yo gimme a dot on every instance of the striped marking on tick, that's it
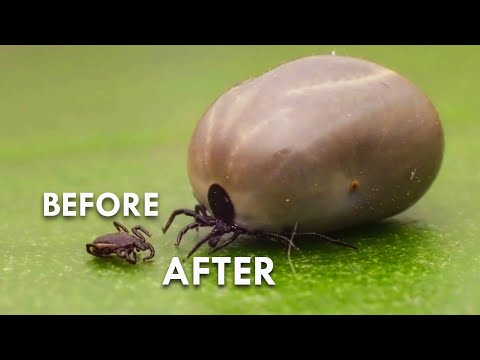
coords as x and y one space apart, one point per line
341 82
249 134
208 141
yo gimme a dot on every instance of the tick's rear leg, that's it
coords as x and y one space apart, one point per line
284 239
90 250
89 247
95 252
330 240
120 227
198 218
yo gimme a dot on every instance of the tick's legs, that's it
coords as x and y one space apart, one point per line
214 241
89 247
152 252
120 227
185 230
200 243
227 242
200 210
95 253
330 240
121 252
131 256
136 230
284 239
198 218
90 250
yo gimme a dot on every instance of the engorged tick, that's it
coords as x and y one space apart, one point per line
324 143
122 243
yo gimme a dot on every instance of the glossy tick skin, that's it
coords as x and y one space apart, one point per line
122 243
324 142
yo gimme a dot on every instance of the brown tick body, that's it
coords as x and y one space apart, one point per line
122 243
324 142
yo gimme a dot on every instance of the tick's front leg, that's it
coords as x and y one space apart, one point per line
200 243
198 218
152 252
185 230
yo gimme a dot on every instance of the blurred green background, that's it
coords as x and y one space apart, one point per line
119 119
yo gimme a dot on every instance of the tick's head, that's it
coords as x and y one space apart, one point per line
141 244
220 204
221 228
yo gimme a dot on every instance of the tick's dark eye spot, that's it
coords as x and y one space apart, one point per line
354 185
220 203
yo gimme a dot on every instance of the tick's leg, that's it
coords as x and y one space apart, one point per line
91 251
198 218
185 230
214 241
226 243
131 256
284 239
103 255
122 253
136 231
330 240
201 210
152 252
120 227
89 247
200 243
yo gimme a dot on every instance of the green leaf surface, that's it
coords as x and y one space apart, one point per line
119 119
